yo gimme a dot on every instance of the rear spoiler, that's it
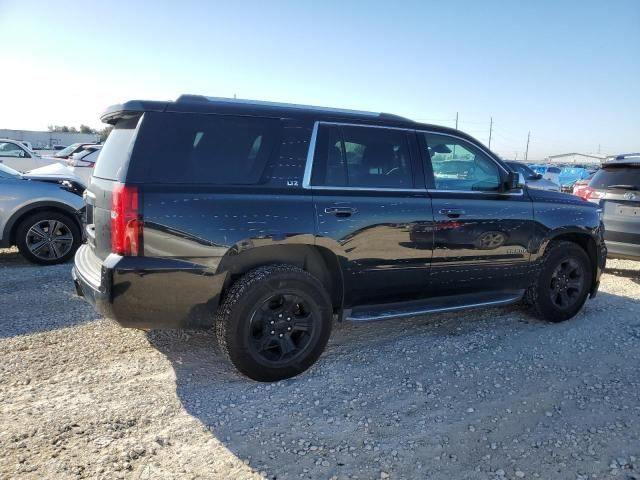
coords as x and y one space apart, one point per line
130 109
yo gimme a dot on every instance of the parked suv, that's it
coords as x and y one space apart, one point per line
268 220
616 189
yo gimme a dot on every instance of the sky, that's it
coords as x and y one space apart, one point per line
566 71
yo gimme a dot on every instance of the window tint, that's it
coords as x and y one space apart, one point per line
458 165
623 175
211 149
113 161
363 157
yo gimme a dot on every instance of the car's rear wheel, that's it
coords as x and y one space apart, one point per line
275 322
563 282
48 237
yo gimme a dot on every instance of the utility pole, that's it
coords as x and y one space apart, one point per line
526 154
456 120
490 131
598 149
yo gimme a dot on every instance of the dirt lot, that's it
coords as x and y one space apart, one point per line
485 394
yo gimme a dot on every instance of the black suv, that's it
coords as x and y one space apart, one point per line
267 220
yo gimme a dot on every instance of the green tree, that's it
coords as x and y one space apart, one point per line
104 133
87 129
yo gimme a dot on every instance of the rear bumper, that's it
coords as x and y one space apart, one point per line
622 250
148 293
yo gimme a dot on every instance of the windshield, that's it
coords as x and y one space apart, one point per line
622 175
6 171
67 151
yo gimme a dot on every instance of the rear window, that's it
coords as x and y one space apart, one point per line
627 175
208 149
115 154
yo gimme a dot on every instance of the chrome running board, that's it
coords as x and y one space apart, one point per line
451 303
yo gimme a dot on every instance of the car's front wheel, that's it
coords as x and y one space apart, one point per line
563 282
275 322
48 237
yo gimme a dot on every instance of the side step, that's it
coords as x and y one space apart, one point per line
451 303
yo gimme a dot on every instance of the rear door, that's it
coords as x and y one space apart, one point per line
370 211
481 234
111 167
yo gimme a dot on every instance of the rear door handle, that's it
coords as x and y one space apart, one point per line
341 212
451 212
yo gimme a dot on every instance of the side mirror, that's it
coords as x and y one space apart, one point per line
514 181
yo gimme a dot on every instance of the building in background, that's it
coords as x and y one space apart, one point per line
47 140
577 158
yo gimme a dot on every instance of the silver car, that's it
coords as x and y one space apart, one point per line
533 179
616 188
41 215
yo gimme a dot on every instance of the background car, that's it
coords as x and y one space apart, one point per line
616 187
548 172
19 157
70 150
569 175
41 215
82 163
533 179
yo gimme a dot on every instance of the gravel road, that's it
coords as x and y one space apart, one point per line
480 395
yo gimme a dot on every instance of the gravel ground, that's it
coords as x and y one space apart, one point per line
481 395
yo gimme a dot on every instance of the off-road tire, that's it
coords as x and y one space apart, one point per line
538 296
233 319
31 220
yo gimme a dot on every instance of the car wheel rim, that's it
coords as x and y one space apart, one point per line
567 282
281 328
49 239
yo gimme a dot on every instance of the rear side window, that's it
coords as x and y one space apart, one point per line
115 154
209 149
627 175
362 157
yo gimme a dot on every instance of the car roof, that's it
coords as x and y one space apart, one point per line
630 159
204 104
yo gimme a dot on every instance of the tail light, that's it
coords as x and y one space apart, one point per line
126 221
589 193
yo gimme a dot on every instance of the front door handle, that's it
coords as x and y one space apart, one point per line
341 212
451 212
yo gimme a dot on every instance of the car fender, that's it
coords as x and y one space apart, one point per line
48 203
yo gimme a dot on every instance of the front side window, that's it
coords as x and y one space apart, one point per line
362 157
11 150
458 165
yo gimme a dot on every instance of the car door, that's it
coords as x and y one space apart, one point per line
372 209
481 232
16 157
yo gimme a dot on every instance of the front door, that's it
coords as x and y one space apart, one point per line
481 233
370 212
15 157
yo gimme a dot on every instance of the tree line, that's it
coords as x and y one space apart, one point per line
104 133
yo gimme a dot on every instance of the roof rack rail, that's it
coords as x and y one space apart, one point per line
187 98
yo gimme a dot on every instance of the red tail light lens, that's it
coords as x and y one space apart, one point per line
588 193
126 221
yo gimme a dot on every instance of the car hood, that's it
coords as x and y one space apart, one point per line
53 172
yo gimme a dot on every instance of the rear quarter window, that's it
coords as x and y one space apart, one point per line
207 149
114 157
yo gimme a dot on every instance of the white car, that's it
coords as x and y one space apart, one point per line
16 155
82 163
